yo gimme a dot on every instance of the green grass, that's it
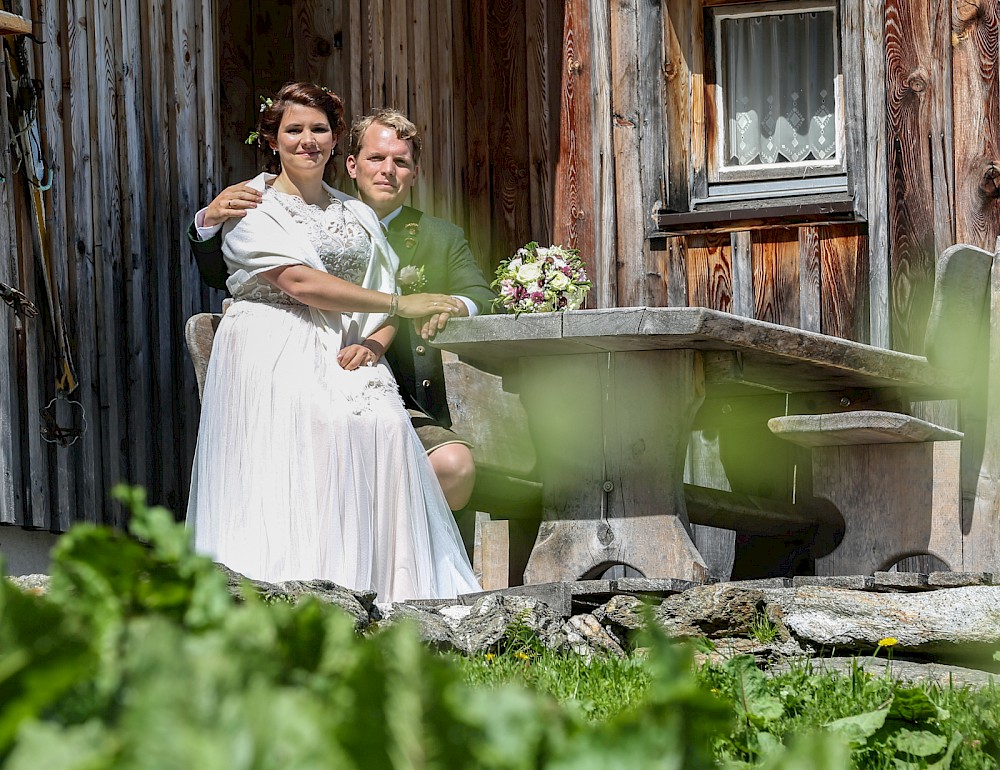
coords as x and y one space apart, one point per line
882 720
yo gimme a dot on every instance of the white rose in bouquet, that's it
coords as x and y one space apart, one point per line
528 272
559 281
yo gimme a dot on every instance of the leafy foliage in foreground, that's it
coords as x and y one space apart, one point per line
139 658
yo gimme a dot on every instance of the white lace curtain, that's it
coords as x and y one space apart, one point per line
779 74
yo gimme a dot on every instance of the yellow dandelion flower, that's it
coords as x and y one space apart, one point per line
520 655
489 657
889 641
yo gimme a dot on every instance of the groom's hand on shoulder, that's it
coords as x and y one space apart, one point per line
231 203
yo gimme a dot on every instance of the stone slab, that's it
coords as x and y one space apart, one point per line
900 581
959 579
853 582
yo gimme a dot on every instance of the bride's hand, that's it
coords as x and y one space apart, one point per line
354 356
422 305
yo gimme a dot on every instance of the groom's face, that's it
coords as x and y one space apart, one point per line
383 169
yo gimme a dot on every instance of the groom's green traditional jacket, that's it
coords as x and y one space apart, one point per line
449 268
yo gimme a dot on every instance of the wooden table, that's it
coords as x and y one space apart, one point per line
610 397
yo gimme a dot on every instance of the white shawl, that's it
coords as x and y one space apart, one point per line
268 237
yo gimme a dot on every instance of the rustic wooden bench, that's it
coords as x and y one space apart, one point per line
896 479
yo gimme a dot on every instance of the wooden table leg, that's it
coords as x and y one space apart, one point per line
611 430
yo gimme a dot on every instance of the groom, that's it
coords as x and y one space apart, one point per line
384 161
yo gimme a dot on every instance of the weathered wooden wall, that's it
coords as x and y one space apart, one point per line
145 107
127 114
480 79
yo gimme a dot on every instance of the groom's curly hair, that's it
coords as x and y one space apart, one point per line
390 118
308 95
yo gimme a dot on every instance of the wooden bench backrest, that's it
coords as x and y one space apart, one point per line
199 333
958 324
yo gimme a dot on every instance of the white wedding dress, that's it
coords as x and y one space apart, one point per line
304 470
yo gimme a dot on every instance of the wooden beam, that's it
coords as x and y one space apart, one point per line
11 24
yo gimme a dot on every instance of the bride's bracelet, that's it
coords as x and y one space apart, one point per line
393 304
375 347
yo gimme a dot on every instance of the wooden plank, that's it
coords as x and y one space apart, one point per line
701 103
740 243
775 256
625 111
477 180
853 88
12 24
419 78
460 88
67 460
677 285
108 252
136 265
185 156
677 39
93 501
539 130
709 270
843 271
858 428
165 316
11 433
351 28
446 195
810 315
36 387
976 89
238 101
574 224
909 53
507 92
599 223
396 25
877 175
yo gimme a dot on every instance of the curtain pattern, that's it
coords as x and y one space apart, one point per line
779 75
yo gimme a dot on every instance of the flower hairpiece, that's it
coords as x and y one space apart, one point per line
266 102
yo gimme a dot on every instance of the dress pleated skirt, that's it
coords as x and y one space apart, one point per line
305 471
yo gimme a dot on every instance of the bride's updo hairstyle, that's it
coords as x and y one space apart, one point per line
308 95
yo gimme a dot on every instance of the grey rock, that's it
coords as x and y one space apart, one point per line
586 636
31 584
902 670
932 620
493 616
435 628
358 604
714 611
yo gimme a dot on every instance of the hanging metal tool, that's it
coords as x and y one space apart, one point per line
23 95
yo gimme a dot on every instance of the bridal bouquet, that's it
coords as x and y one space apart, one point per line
539 279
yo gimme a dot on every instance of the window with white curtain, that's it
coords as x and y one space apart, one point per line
778 111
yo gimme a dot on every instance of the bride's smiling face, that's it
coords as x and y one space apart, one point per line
305 139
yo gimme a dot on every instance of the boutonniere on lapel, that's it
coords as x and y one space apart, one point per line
412 228
411 279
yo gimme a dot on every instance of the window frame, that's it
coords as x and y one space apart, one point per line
821 177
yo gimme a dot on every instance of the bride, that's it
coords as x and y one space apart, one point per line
307 465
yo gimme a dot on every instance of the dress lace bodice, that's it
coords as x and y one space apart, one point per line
339 238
